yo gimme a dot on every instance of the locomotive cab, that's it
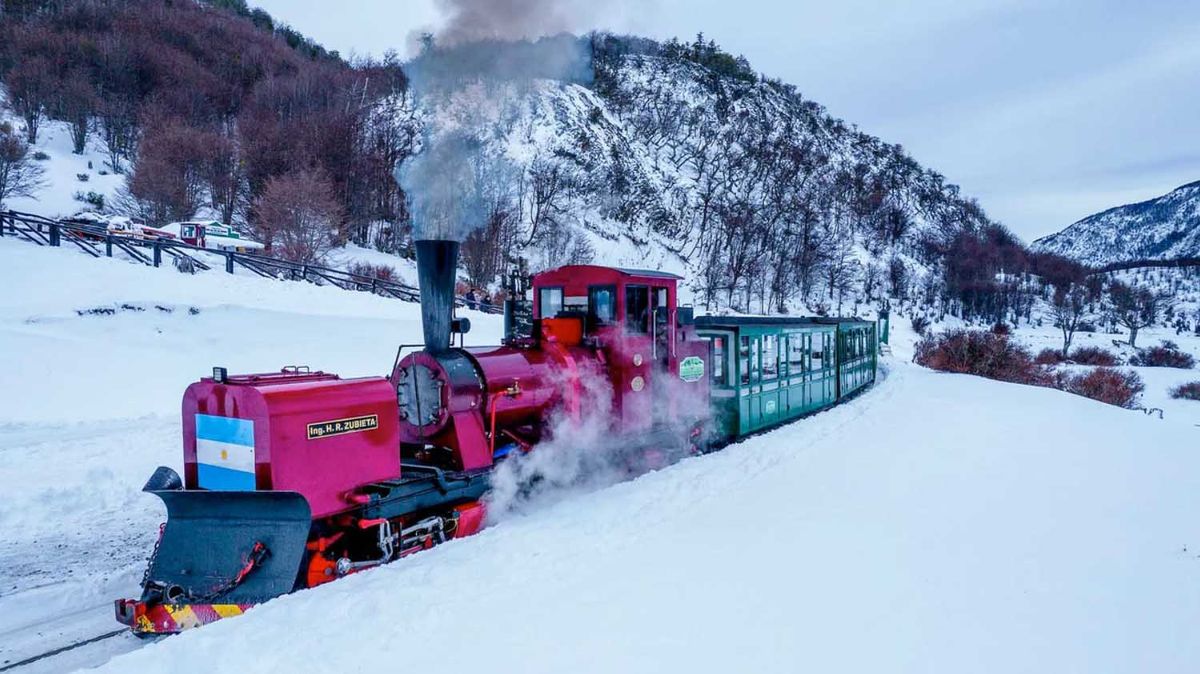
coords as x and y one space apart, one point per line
630 317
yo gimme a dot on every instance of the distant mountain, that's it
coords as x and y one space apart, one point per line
1159 229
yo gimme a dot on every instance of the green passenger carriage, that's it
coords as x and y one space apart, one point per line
769 370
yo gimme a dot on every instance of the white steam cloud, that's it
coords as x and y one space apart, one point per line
507 20
585 453
482 61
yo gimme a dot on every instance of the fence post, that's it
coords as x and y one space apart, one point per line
303 272
228 262
374 286
157 253
3 218
55 234
108 244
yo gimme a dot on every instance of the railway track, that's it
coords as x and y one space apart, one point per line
54 641
61 649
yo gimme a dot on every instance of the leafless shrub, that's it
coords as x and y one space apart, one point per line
1105 384
20 175
1166 354
298 217
980 353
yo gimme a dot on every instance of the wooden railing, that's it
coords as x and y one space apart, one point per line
97 241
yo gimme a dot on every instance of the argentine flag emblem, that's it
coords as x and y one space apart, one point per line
224 453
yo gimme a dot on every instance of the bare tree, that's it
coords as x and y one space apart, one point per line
29 88
1069 308
298 216
225 174
547 187
1135 307
118 124
169 175
20 176
77 103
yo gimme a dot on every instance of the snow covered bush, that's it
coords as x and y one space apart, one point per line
1188 391
1115 387
1166 354
1049 357
920 324
1094 355
982 353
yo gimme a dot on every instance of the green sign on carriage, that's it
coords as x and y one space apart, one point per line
691 369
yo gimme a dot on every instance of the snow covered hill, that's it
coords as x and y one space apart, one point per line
756 193
670 156
939 523
1159 229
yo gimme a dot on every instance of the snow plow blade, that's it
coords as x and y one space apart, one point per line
219 553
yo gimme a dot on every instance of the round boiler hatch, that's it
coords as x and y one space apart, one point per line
419 394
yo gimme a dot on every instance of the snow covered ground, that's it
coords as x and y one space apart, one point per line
936 523
63 170
1159 380
94 358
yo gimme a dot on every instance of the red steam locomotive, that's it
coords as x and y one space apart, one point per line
294 479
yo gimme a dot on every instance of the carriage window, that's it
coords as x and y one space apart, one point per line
796 352
550 302
770 356
744 360
717 358
602 305
637 309
188 232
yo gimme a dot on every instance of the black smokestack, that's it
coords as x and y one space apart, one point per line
437 270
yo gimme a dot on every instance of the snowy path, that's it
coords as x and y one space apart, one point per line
77 532
89 406
939 523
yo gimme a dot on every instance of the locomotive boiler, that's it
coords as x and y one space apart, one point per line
296 478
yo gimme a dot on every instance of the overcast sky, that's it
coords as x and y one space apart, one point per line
1045 110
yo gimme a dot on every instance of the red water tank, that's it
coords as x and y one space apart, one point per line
312 433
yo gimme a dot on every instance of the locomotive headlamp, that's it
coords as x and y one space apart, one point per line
220 374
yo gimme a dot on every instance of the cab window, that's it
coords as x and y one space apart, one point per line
550 302
637 309
602 305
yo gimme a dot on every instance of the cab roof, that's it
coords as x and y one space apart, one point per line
592 270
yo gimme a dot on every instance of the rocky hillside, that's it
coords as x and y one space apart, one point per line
680 156
1159 229
601 148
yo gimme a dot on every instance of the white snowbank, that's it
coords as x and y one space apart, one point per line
939 523
89 406
168 329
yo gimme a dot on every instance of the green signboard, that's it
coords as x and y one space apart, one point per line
691 369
